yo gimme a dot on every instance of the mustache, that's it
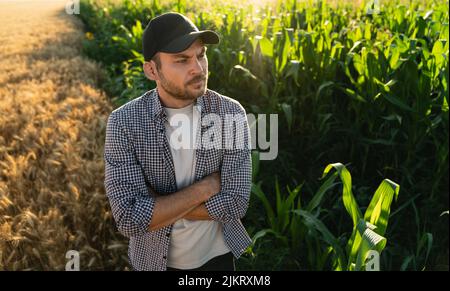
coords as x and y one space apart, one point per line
196 79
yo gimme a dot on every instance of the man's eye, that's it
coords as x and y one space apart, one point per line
181 61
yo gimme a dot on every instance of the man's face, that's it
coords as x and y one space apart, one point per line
184 75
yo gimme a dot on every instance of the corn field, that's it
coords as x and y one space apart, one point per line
361 90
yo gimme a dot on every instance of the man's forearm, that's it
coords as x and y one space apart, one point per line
170 208
198 213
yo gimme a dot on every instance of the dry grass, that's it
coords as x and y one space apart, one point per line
52 126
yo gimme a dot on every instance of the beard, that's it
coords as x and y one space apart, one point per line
191 90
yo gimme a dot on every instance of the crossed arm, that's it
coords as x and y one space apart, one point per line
187 203
221 197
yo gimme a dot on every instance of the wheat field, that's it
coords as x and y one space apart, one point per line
52 124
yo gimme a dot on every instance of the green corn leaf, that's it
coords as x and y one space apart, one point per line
255 164
438 52
314 223
378 211
292 195
266 46
394 60
294 68
256 189
406 262
426 241
356 45
246 72
349 201
317 199
288 205
136 30
286 49
367 30
370 240
281 209
396 101
323 86
262 233
351 93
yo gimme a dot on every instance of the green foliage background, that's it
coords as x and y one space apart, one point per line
365 84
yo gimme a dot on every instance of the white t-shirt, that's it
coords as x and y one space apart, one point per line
192 242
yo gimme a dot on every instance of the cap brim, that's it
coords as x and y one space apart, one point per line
184 42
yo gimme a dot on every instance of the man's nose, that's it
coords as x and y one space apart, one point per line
196 67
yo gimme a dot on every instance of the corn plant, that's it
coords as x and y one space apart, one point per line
356 81
291 222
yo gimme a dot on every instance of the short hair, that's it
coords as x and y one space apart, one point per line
156 58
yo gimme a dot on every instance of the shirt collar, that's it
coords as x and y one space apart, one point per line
157 110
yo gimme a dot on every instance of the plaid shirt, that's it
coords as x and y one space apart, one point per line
137 155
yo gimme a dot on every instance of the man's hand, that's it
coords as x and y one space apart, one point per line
212 184
198 213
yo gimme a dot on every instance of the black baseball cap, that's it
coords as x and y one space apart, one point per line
173 33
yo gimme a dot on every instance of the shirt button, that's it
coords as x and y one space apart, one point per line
164 257
168 234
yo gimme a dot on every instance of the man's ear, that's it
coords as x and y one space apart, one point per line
150 70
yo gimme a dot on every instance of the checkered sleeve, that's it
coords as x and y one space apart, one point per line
232 201
131 204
